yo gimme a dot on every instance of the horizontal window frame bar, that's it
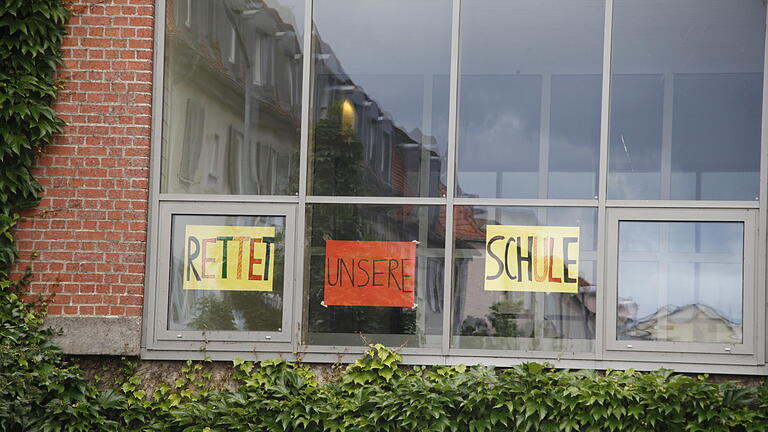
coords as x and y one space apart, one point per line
217 198
645 361
375 200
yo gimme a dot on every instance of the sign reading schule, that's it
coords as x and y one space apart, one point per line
229 258
532 258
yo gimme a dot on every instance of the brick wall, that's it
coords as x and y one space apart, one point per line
90 228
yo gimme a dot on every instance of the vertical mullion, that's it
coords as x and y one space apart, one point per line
602 307
299 266
450 192
760 286
544 134
151 301
666 137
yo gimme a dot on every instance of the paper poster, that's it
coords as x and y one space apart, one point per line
229 258
532 258
369 273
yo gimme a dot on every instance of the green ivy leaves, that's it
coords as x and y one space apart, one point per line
30 38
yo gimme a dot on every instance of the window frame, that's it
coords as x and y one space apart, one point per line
220 340
746 216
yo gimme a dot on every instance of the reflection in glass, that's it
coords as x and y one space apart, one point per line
380 100
232 97
686 99
230 310
521 320
529 98
420 326
680 281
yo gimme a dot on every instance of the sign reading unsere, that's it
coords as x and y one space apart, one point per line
369 273
229 258
532 258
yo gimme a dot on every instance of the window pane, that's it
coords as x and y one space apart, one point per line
375 270
686 99
680 281
232 97
380 98
529 98
549 321
227 273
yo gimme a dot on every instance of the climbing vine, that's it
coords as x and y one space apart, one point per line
30 39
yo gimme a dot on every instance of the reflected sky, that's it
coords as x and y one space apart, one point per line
529 98
681 263
686 99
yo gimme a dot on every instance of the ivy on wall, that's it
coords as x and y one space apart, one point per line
30 39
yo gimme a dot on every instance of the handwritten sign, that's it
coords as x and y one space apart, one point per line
369 273
532 258
229 258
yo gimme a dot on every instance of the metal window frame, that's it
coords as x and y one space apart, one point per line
748 217
170 209
601 357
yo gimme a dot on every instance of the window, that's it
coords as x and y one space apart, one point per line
224 275
681 280
529 99
388 70
524 320
478 181
686 100
194 70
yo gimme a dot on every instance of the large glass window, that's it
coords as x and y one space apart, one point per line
529 98
380 99
375 274
232 97
479 229
686 99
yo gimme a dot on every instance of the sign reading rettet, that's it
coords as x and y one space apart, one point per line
229 258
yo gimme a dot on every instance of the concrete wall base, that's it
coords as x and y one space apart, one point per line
95 335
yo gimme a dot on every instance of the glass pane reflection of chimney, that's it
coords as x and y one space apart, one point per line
380 98
232 97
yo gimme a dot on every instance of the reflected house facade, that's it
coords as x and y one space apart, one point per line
685 323
360 148
232 97
392 161
233 107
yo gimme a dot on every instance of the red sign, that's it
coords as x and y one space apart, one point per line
369 273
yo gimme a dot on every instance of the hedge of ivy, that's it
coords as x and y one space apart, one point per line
41 391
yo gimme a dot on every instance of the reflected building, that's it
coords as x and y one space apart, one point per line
692 322
391 160
232 98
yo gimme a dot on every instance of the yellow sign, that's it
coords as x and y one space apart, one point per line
532 258
229 258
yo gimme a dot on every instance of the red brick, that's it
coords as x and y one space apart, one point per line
91 225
